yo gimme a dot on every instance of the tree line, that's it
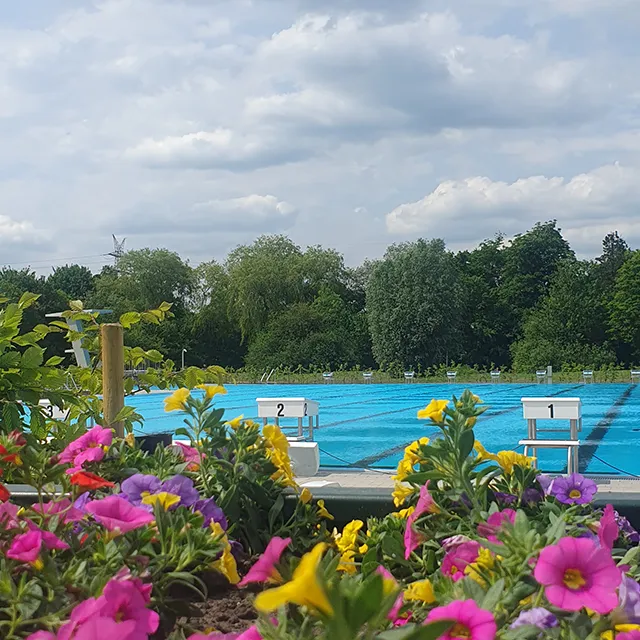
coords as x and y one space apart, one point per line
521 304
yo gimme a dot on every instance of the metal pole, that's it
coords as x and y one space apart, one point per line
112 375
183 352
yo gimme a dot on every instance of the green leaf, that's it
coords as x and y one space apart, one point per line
76 305
367 602
54 361
27 299
630 556
369 561
473 590
11 417
493 596
149 317
430 631
555 531
165 306
127 320
467 440
32 358
9 360
275 510
181 431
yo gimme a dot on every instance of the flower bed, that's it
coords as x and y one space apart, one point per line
196 537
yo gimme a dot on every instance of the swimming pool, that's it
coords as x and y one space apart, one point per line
368 425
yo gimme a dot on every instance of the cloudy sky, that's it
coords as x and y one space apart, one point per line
199 124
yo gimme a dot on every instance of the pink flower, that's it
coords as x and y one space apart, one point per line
470 621
9 515
426 503
577 574
42 635
394 614
61 508
494 524
251 633
264 569
117 514
458 558
122 603
448 544
191 455
51 541
26 547
89 447
608 530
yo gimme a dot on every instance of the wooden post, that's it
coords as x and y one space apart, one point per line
112 375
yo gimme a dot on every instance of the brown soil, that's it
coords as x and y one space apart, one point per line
227 612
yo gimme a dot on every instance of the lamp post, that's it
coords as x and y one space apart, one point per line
183 352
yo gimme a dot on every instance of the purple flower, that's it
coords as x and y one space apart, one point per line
504 499
629 594
237 549
573 489
545 482
211 513
81 501
138 486
532 496
183 487
625 526
538 617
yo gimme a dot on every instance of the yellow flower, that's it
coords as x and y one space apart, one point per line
226 565
422 591
401 493
510 459
405 469
348 539
322 510
363 549
275 438
411 452
483 454
471 422
434 410
130 440
176 401
389 585
166 500
211 390
305 496
284 472
403 514
37 564
484 563
476 399
235 423
304 589
620 628
347 562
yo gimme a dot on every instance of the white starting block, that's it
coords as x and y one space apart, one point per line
299 408
495 376
52 411
327 376
570 409
587 376
451 376
409 376
305 458
541 375
367 376
635 375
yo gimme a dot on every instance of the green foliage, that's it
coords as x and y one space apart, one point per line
625 304
413 303
74 281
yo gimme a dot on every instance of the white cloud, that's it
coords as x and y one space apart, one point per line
14 231
256 213
470 209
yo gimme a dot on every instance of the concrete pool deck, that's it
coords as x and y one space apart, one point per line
382 480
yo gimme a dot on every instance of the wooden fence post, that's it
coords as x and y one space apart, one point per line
112 375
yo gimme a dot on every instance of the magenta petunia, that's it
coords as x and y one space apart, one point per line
42 635
89 447
251 633
608 530
426 504
191 455
470 621
118 515
490 529
26 547
264 570
9 515
61 508
50 540
576 573
102 628
455 561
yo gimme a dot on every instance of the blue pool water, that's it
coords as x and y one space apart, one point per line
368 425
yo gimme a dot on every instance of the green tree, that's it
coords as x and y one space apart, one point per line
73 280
569 324
485 332
530 262
325 332
624 307
414 302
